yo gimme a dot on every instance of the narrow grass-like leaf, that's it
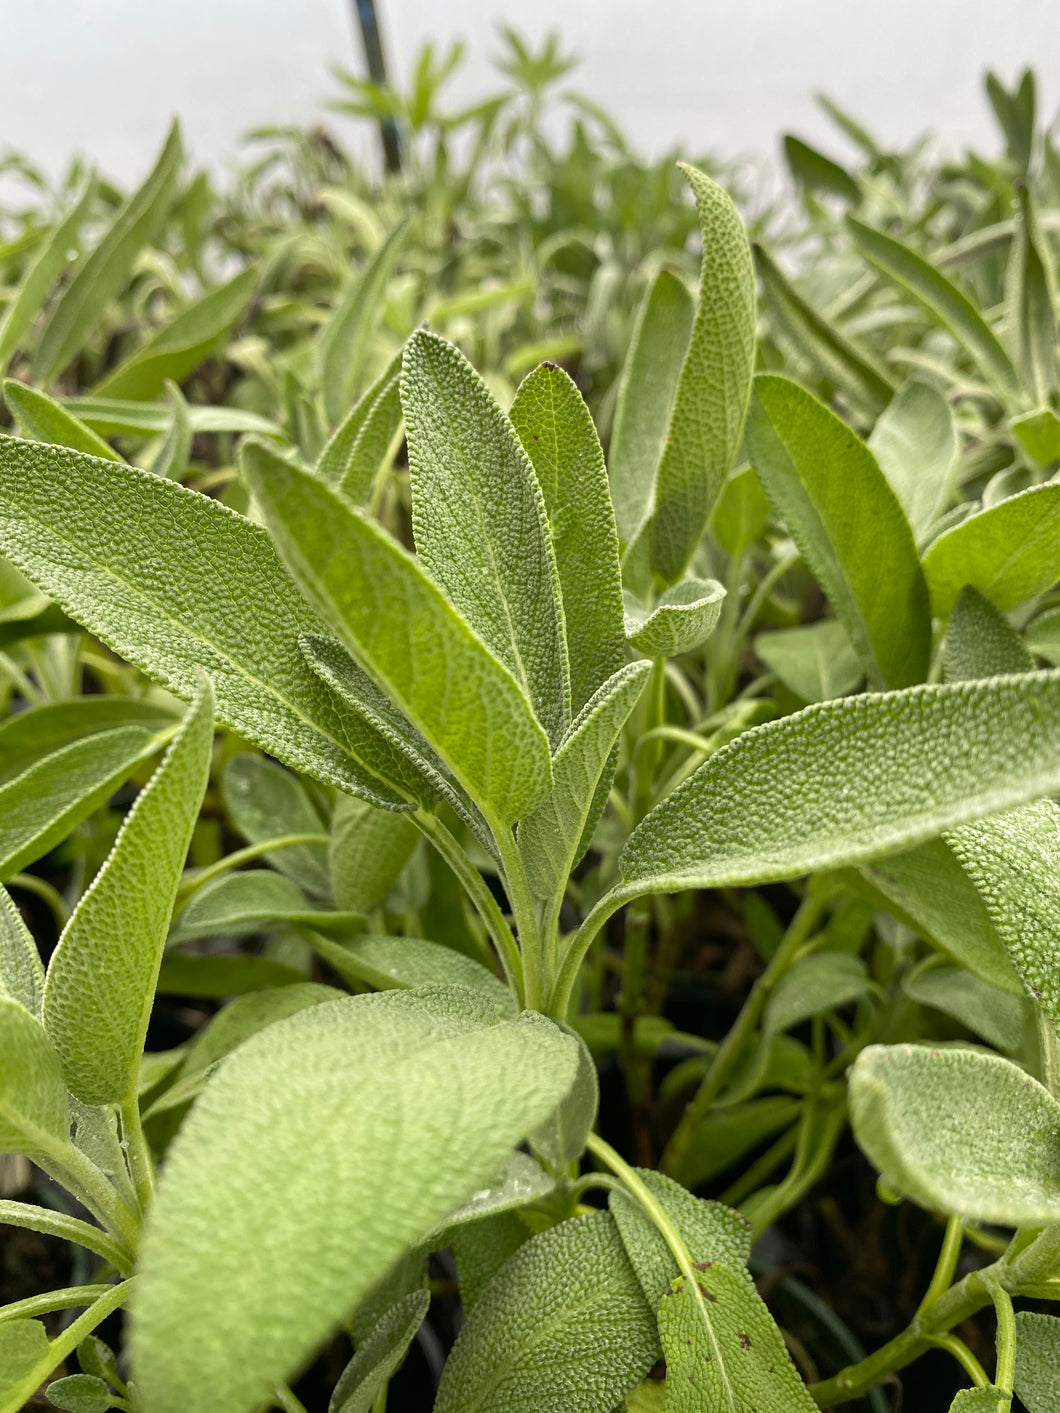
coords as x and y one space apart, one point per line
265 802
118 417
556 429
715 384
343 344
355 451
918 1115
1030 296
171 459
406 633
837 358
44 803
405 962
44 420
849 781
826 486
101 978
408 1101
981 642
100 276
650 376
683 619
379 1356
41 277
816 172
551 837
1014 861
1010 553
1037 1375
368 850
21 969
175 581
814 660
34 1112
916 445
480 523
178 349
943 301
563 1324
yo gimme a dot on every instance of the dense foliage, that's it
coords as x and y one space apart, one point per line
571 868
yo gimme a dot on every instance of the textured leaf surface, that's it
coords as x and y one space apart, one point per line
997 1016
1030 294
174 581
480 523
99 277
265 802
646 397
723 1349
21 969
715 383
42 419
814 660
380 1356
1010 553
44 803
919 1116
23 1345
684 618
408 1101
403 962
481 1249
563 1324
982 1400
368 850
101 978
113 417
916 445
339 463
557 432
836 503
34 1112
1014 861
981 642
249 901
845 782
550 837
520 1181
407 635
1037 1374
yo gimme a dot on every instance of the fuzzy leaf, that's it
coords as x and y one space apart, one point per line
101 978
814 660
997 1016
480 523
42 419
849 781
1030 294
563 1324
990 1399
379 1356
832 496
646 396
1038 432
405 962
117 417
981 642
407 635
100 277
683 619
368 850
23 1345
481 1249
21 969
821 982
711 401
29 736
80 1393
551 837
174 581
916 444
918 1115
34 1111
1010 553
522 1180
1037 1374
557 433
408 1102
237 904
353 456
264 802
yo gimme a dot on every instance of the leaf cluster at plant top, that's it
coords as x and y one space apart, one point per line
452 656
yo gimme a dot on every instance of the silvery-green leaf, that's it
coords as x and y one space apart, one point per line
1010 553
1037 1374
80 1393
822 981
1038 432
554 835
408 1102
919 1114
814 660
1043 636
42 419
723 1348
563 1324
480 522
520 1181
1030 296
407 635
356 450
23 1345
741 511
481 1249
379 1356
236 904
403 962
21 969
556 430
171 459
367 852
34 1112
827 488
990 1399
101 978
711 401
683 618
264 802
561 1138
1014 861
850 781
999 1017
916 444
30 735
981 642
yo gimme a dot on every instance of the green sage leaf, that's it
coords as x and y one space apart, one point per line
21 969
368 850
916 444
34 1110
815 660
42 419
1037 1373
379 1356
683 618
981 642
265 802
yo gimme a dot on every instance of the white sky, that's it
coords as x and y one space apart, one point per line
103 76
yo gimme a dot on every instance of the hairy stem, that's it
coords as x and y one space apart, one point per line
43 1219
69 1298
190 886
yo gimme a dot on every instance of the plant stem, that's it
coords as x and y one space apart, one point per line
636 1188
1048 1053
942 1279
577 946
65 1343
958 1350
729 1051
190 886
536 979
43 1219
137 1154
66 1299
1006 1337
288 1400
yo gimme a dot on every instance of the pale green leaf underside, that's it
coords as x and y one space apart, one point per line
916 444
367 852
522 1180
34 1111
919 1114
101 978
563 1324
174 581
814 660
265 802
997 1016
408 1102
683 619
1037 1375
407 635
480 523
404 962
821 982
845 782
